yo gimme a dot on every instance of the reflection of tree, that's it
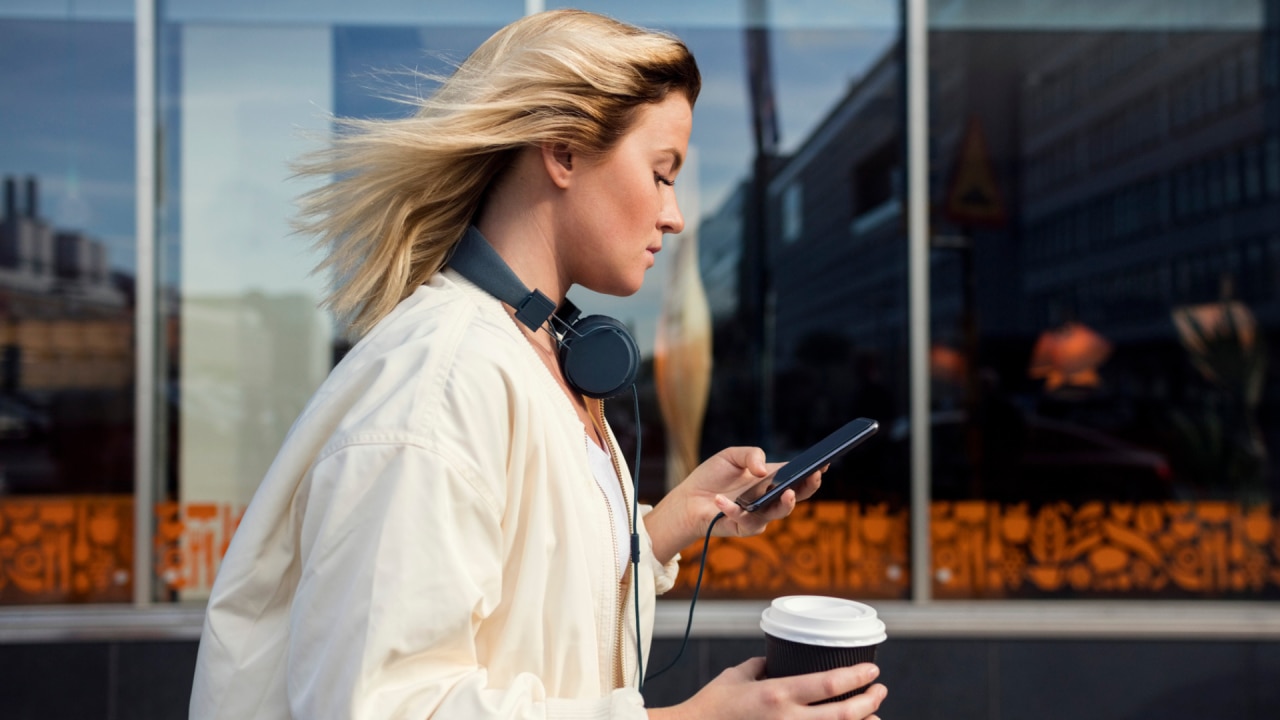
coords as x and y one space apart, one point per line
1223 441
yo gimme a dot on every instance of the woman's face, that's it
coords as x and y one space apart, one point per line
620 204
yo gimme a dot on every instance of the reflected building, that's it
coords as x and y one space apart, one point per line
1103 178
66 329
66 324
1160 191
720 252
834 306
48 272
1157 194
837 254
1136 173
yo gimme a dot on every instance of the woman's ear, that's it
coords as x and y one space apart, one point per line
558 161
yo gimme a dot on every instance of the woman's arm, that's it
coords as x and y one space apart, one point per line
401 562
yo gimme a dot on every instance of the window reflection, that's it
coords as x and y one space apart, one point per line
805 290
246 342
1101 309
66 311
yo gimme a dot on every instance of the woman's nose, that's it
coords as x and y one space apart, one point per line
671 221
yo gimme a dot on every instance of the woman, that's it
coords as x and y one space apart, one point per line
433 539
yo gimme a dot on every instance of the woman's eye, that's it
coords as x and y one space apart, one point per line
664 180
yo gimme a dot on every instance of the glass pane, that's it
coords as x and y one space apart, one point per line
1103 264
333 13
760 321
728 319
66 309
246 344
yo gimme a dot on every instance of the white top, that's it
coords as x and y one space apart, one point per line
607 478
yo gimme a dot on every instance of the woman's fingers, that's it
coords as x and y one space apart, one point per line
743 691
862 705
737 522
816 687
752 669
807 487
779 694
775 510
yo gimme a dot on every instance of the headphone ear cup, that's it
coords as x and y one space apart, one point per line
599 357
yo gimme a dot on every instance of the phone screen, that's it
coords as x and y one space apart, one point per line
829 449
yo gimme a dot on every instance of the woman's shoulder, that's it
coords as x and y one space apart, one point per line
444 353
451 330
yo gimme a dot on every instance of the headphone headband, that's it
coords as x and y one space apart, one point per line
475 259
598 357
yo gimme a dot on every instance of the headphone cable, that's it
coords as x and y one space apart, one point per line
635 540
694 601
635 562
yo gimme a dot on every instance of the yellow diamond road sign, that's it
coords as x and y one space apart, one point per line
973 196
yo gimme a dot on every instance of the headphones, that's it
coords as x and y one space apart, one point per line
598 357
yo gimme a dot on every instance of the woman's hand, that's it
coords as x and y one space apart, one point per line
741 692
684 514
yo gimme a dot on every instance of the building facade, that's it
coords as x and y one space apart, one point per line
1038 242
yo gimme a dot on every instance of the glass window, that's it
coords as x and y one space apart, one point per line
792 213
67 269
796 97
245 90
753 329
1112 432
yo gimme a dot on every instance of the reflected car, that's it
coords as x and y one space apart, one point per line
1031 458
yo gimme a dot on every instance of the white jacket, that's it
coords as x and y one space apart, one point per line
429 542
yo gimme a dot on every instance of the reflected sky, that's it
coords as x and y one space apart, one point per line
782 14
813 68
67 93
67 9
736 14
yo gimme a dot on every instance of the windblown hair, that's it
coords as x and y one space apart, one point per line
400 193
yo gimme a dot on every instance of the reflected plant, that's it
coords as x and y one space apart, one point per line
1223 344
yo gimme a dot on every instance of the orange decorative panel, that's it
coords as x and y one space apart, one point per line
80 549
70 549
190 540
824 547
1168 549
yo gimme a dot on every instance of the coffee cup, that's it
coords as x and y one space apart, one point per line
812 633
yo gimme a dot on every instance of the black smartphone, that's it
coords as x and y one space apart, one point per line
828 450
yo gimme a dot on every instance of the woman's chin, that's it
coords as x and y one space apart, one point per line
621 287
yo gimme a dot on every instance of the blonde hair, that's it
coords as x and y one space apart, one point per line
400 193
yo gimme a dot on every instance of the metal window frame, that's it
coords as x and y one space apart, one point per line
916 39
145 318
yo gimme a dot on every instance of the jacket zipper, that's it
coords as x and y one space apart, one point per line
619 672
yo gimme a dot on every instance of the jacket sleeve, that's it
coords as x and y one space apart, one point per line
664 576
401 561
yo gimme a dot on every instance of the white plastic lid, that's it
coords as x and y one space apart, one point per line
820 620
